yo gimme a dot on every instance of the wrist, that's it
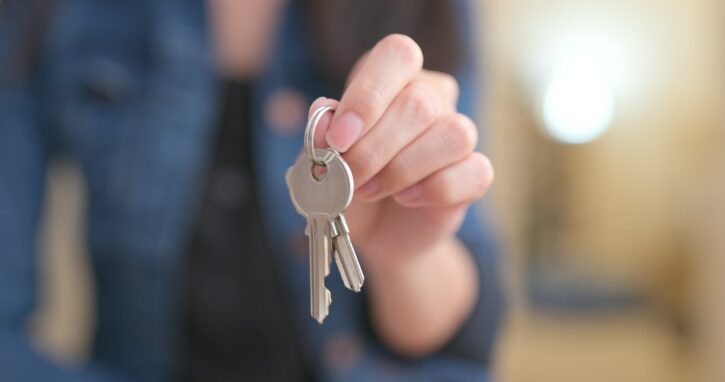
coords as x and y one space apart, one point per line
418 302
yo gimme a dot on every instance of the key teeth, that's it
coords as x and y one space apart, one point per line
358 287
341 270
346 259
320 318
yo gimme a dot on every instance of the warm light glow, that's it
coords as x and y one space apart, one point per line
578 102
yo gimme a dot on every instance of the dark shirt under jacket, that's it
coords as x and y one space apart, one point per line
236 326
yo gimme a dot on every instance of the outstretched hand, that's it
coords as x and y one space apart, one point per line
411 154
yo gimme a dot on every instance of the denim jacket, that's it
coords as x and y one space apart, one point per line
127 89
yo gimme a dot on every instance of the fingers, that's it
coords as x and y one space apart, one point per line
445 84
389 67
450 140
462 182
412 112
438 168
397 127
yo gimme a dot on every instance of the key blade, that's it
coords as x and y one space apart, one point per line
340 267
348 265
341 270
320 297
345 257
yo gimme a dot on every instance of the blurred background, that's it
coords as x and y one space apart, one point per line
604 122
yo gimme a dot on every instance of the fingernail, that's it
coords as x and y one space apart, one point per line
344 131
369 188
410 194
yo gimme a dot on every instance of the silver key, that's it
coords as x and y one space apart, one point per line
344 252
345 257
321 201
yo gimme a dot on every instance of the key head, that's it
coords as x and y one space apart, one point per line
328 195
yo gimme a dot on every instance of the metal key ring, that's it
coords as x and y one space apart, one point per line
310 136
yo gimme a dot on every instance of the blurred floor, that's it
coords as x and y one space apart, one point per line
623 348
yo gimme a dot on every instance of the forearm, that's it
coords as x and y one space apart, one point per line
418 302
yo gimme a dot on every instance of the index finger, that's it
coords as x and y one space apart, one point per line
391 64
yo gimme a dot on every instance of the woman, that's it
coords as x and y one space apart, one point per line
183 117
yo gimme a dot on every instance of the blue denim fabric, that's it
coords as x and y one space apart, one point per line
127 89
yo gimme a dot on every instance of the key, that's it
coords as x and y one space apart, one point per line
321 200
319 239
345 257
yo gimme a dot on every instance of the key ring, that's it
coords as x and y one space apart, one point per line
310 137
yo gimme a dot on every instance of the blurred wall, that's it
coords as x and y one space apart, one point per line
641 206
708 292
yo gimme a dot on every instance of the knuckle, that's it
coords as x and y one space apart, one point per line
363 161
404 47
461 134
483 173
418 103
449 83
373 100
447 192
398 171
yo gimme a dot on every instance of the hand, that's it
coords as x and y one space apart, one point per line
412 156
413 161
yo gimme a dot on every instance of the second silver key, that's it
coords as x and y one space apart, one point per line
345 257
